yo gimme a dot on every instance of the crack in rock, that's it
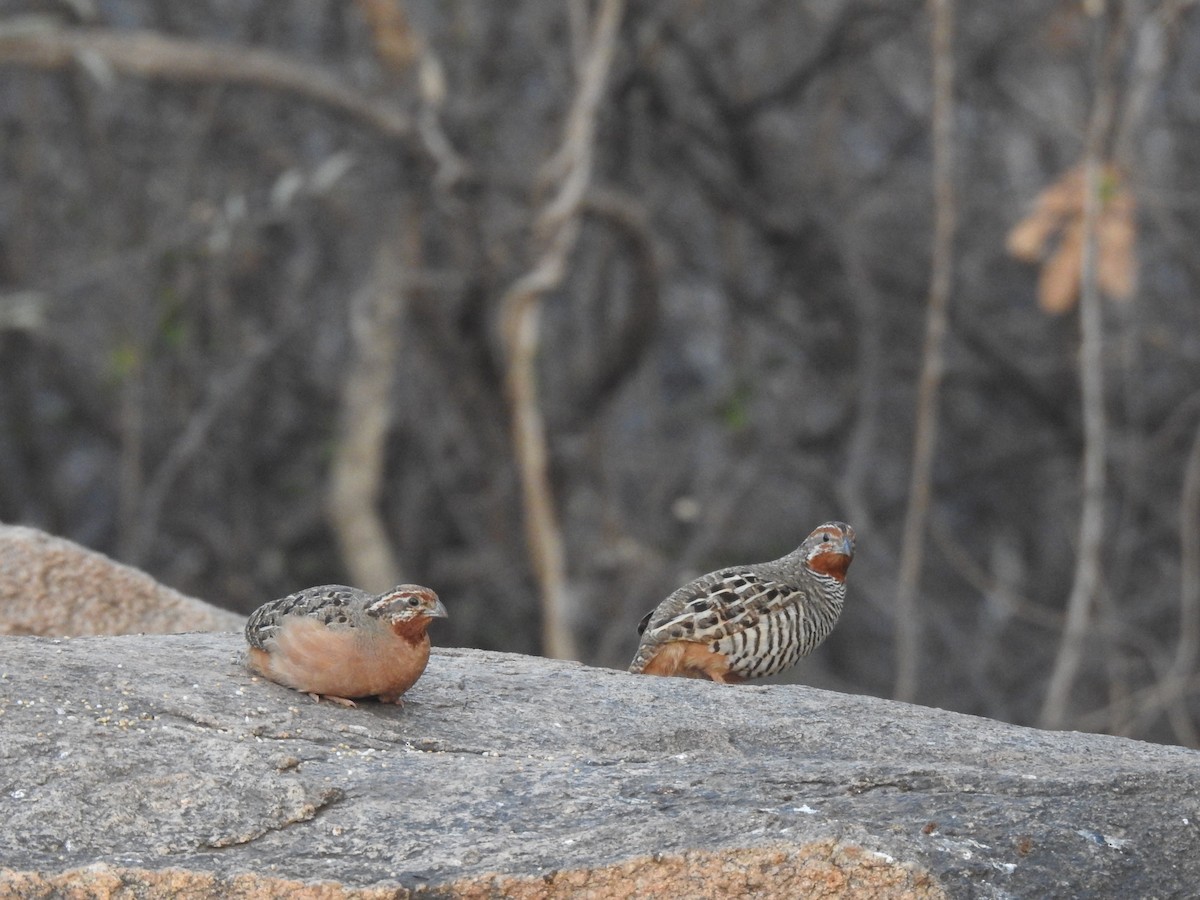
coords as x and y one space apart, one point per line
304 813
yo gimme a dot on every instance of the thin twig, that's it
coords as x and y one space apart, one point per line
190 443
556 231
147 54
1187 652
1010 601
1173 687
365 414
920 488
1091 377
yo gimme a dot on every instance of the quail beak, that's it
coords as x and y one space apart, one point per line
438 611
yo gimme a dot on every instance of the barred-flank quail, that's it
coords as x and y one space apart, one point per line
750 621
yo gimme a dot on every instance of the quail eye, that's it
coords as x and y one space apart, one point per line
413 601
825 538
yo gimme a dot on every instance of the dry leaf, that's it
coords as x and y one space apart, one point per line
1053 206
395 43
1027 240
1058 285
1059 207
1065 196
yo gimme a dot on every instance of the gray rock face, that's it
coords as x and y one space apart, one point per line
160 753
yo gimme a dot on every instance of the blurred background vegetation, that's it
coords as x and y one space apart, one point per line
554 305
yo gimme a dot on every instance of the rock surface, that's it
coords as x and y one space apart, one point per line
54 587
156 765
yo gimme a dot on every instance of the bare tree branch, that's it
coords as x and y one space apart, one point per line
356 475
400 47
1010 602
1187 653
131 420
1088 560
147 54
556 232
189 444
1181 676
618 356
1151 37
1149 702
908 613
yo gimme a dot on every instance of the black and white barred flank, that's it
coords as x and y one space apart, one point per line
764 617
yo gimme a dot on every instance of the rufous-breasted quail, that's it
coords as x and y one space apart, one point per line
342 643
